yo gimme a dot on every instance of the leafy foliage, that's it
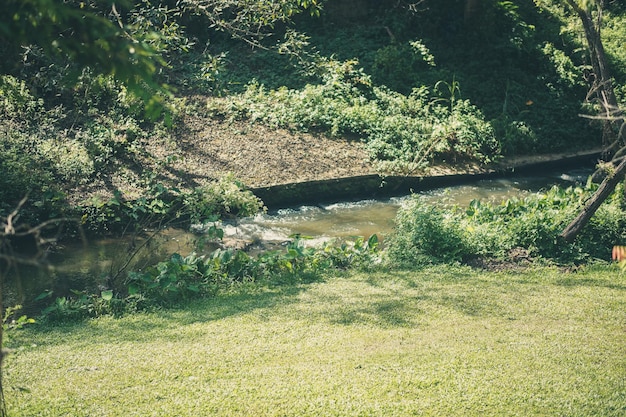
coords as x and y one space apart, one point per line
162 205
82 34
179 279
427 234
522 66
11 320
403 132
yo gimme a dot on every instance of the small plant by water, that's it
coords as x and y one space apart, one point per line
163 205
180 279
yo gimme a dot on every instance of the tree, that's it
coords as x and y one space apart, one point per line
248 20
602 90
601 82
101 35
606 188
88 34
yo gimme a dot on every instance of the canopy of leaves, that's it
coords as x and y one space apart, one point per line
87 34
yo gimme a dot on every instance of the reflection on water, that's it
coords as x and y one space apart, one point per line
88 265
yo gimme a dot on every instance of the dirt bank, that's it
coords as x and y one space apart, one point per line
203 149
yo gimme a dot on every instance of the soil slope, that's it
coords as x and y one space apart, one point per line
203 149
261 156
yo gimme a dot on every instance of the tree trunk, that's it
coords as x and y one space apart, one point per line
3 406
592 205
602 85
602 88
471 9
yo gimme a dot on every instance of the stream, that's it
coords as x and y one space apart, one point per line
85 265
366 217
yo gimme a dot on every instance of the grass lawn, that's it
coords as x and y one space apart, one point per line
441 342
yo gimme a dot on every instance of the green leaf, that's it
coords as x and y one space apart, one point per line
43 295
107 295
133 289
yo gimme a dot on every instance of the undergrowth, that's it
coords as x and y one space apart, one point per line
402 133
429 234
179 279
162 205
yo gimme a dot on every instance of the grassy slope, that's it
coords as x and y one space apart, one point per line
445 341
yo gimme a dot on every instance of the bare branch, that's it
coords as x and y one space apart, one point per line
8 226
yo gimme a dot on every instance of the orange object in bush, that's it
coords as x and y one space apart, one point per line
619 253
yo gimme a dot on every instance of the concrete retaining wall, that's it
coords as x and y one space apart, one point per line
375 186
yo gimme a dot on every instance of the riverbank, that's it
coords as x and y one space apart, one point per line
279 164
376 186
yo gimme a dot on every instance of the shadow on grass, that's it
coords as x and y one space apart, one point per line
409 298
383 312
237 304
387 299
159 323
400 299
574 281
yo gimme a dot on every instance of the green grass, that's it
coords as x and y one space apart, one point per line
440 342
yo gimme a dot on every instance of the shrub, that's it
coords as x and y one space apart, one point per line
160 204
48 148
426 234
16 100
403 132
182 278
225 197
178 279
69 159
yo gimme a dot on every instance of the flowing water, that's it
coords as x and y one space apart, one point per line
366 217
85 264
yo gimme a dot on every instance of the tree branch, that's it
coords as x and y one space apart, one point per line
592 205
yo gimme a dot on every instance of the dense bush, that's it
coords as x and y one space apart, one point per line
73 139
28 164
520 64
401 132
613 36
431 234
425 234
164 206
